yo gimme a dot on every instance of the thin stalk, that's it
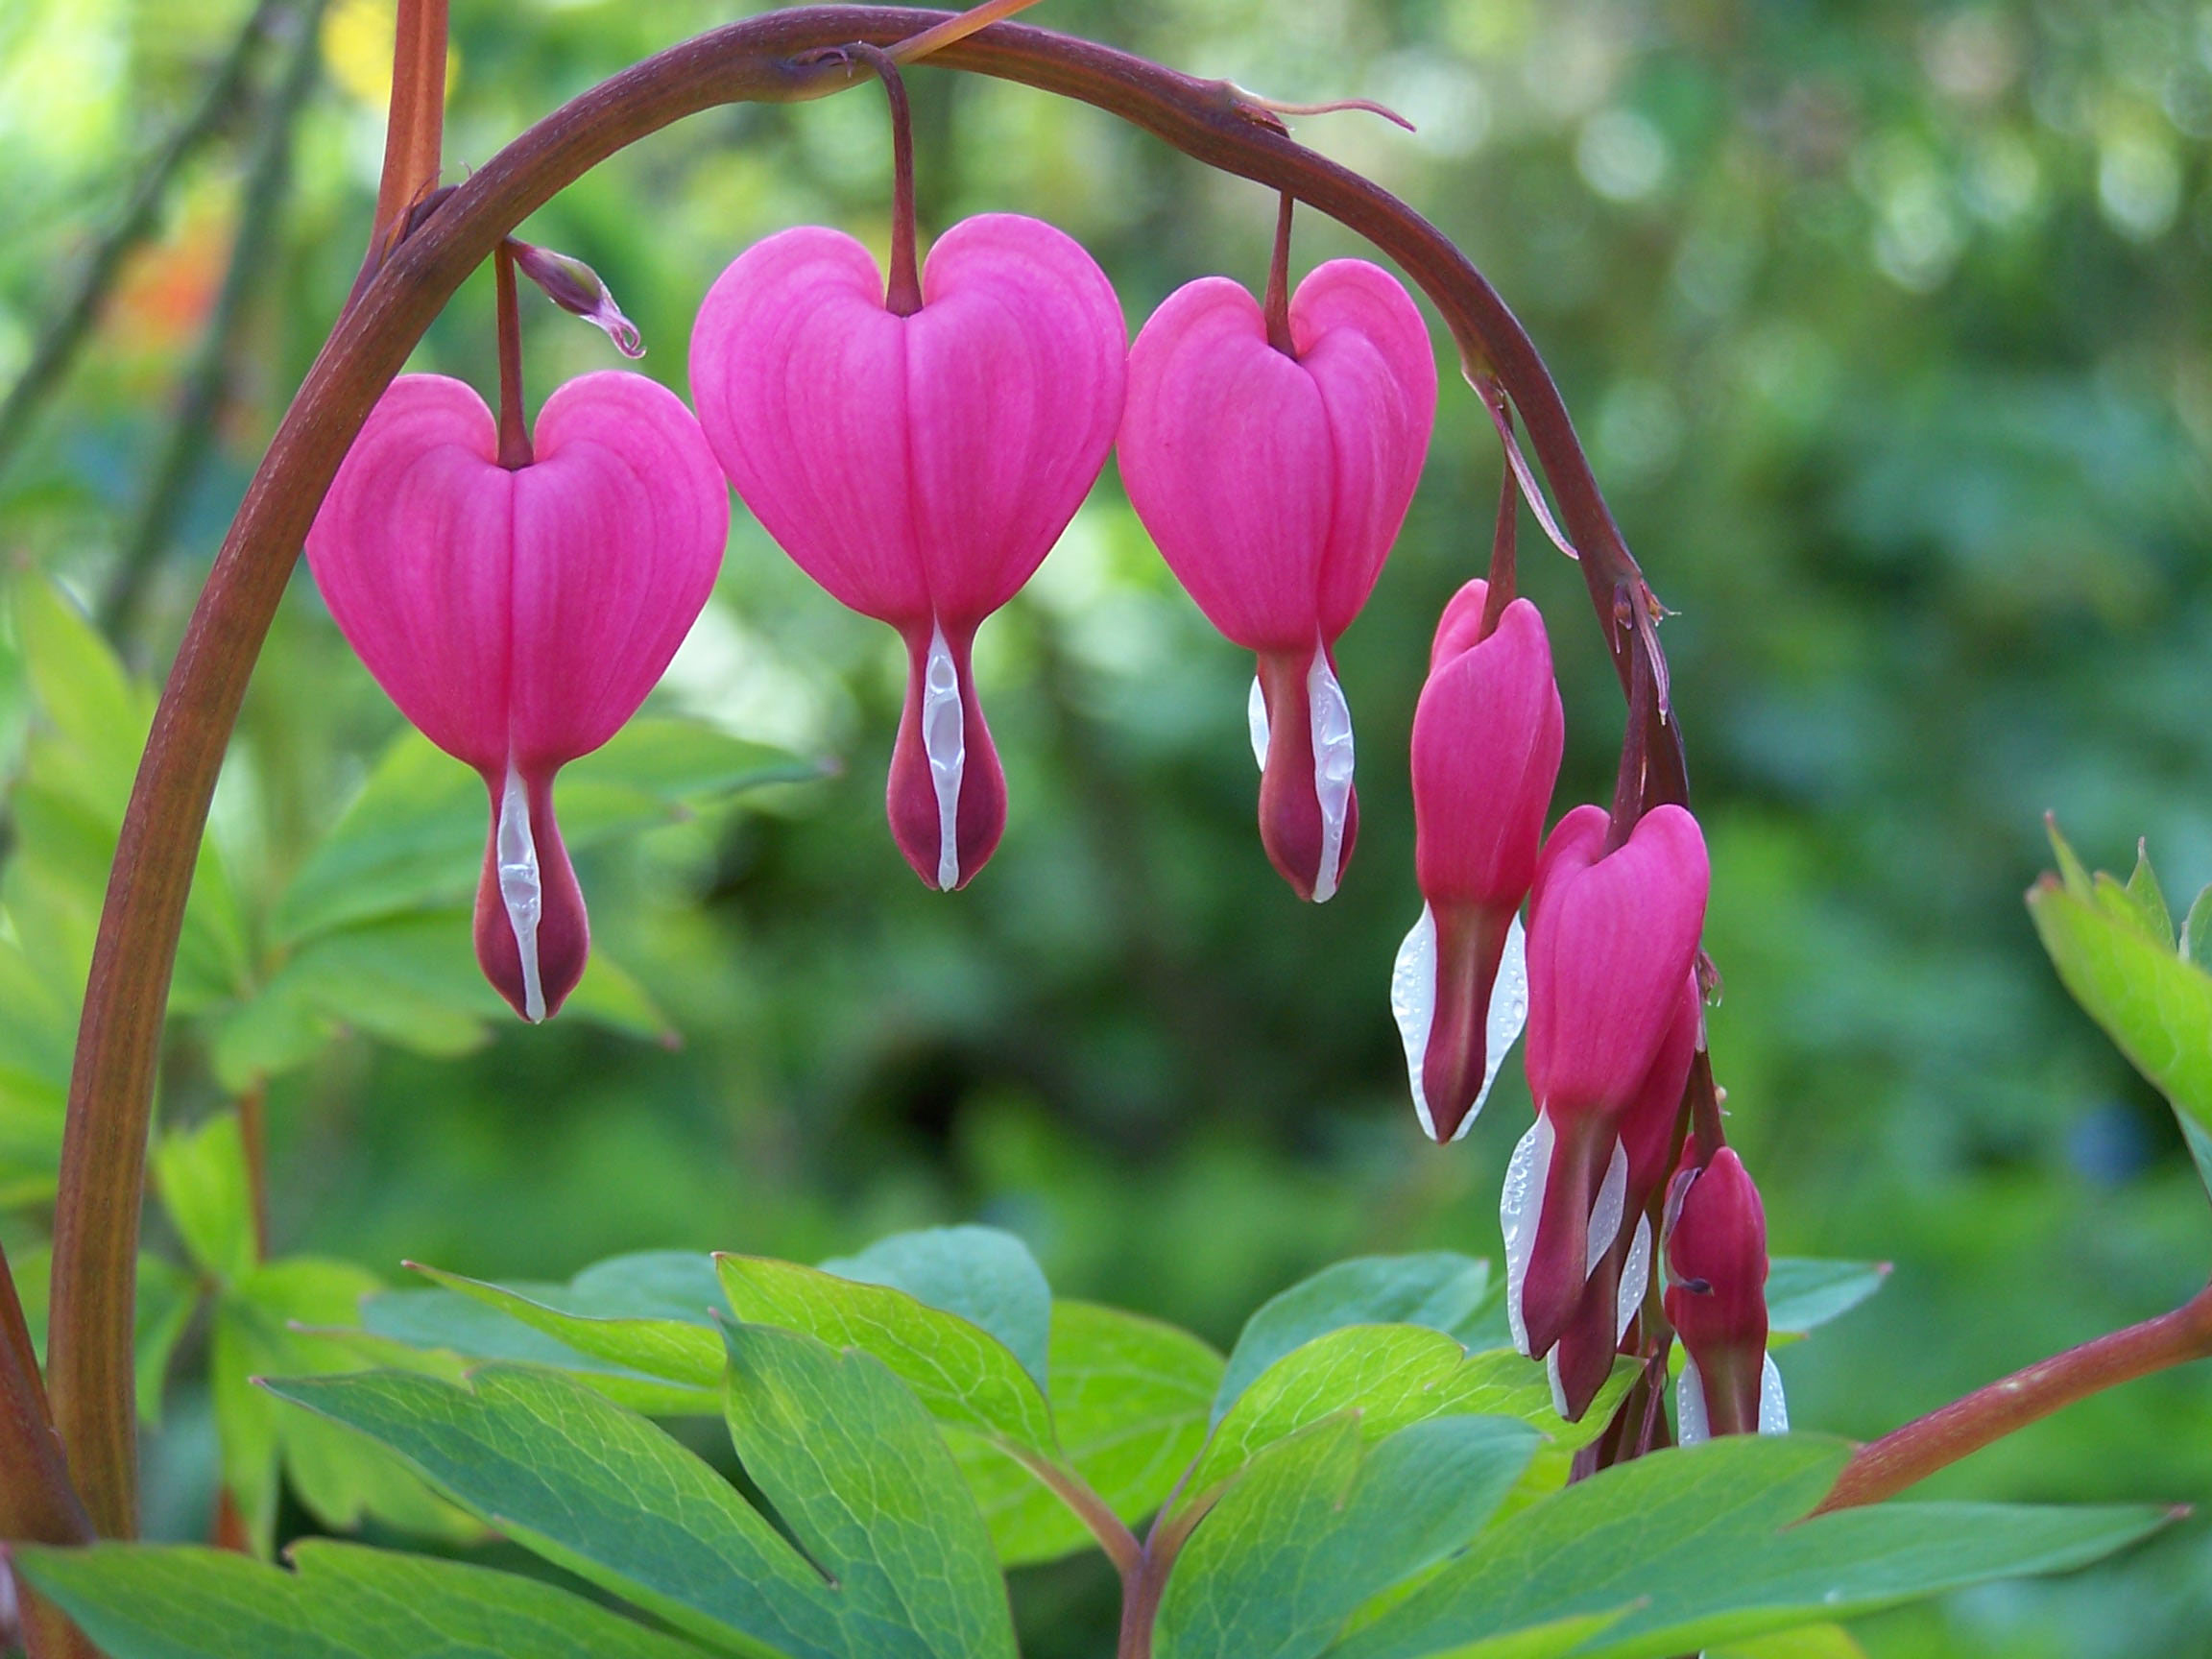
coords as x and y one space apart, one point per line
192 430
103 1148
903 293
1116 1539
57 347
414 122
1885 1467
1277 305
1635 750
514 430
1497 589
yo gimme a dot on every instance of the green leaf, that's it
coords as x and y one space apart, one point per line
599 1491
1393 1376
2149 897
964 1376
856 1469
1321 1522
201 1174
687 1352
2155 1007
1439 1289
414 837
1129 1400
2197 931
983 1275
1812 1641
166 1601
1803 1294
1698 1547
167 1297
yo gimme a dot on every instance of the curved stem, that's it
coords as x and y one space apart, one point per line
103 1148
1885 1467
1277 305
903 291
1116 1540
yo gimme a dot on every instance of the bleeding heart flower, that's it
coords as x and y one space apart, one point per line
918 467
1612 939
1487 740
520 616
1717 1298
1274 483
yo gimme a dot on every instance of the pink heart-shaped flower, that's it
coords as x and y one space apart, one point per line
919 467
1274 484
520 617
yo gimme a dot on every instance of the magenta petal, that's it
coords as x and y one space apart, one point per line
411 553
619 527
945 769
531 934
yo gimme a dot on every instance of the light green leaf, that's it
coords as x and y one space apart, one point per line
1698 1547
983 1275
685 1352
2149 899
165 1601
2197 931
1393 1376
1129 1399
414 837
201 1174
1439 1289
1812 1641
855 1467
599 1491
1321 1522
1804 1294
962 1373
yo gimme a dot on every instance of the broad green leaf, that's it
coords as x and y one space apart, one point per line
276 1320
855 1467
1545 1642
675 1350
1698 1547
201 1174
1439 1288
1804 1294
599 1491
965 1376
37 1040
168 1601
2197 931
1129 1400
414 837
1812 1641
1320 1523
984 1275
2150 897
168 1296
1392 1374
2154 1006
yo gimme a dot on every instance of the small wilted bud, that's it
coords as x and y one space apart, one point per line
1717 1299
576 288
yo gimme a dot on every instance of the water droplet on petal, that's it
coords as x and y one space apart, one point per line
520 889
1507 1015
1520 1204
1256 718
1689 1428
1331 768
1413 1006
1773 1408
944 740
1607 1214
1635 1278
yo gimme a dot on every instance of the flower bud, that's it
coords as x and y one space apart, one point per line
1717 1299
576 288
1487 740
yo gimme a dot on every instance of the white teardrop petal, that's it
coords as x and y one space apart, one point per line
1552 1376
944 740
1332 769
1519 1204
1413 1006
1635 1279
1690 1428
1773 1408
1508 1013
521 891
1607 1214
1256 718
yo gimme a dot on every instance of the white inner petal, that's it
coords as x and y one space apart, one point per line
520 889
1607 1214
944 740
1690 1428
1331 768
1552 1376
1413 1006
1508 1012
1635 1278
1256 718
1520 1206
1773 1409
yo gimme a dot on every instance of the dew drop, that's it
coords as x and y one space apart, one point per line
1635 1279
1607 1214
1413 1006
1773 1408
944 740
1690 1424
1508 1012
1256 718
1519 1204
1331 768
520 889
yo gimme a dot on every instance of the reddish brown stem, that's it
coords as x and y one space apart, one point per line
1887 1466
415 126
1497 589
103 1160
903 291
1277 305
514 430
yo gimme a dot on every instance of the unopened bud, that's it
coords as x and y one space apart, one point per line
576 288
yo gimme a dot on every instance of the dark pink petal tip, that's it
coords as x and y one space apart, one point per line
531 933
1309 812
947 795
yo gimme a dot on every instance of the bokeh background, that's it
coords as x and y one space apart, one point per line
1890 329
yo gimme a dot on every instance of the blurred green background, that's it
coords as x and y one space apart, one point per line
1889 328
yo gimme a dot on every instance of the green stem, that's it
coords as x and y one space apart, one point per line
1885 1467
103 1148
1116 1539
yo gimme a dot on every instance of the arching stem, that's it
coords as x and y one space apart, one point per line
1497 589
1276 307
903 293
514 430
